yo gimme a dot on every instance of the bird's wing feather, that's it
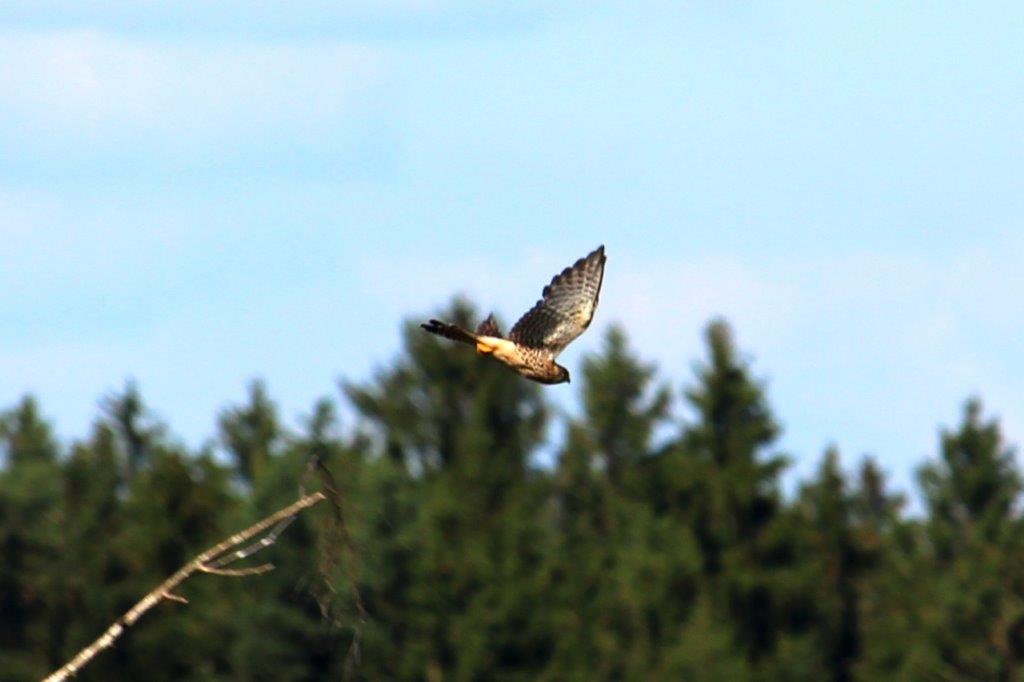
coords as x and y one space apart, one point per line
566 306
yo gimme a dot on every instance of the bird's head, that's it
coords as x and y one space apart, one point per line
562 377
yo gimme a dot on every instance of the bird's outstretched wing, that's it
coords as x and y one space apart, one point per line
566 306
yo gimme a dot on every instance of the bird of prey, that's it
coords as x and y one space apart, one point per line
564 312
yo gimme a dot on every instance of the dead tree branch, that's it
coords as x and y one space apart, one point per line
211 561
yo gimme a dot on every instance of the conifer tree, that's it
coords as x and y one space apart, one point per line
972 489
608 610
734 507
137 431
876 509
838 552
251 432
29 543
975 543
600 628
896 597
93 563
621 407
466 428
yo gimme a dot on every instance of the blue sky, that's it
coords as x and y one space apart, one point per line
195 194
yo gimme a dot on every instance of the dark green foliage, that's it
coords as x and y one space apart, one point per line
651 548
129 418
458 434
840 546
250 433
621 408
30 601
973 542
725 488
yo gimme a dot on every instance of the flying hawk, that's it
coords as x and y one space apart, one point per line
564 312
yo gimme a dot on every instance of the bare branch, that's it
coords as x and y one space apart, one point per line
264 542
170 596
238 572
212 561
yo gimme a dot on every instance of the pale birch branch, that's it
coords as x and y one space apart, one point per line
211 561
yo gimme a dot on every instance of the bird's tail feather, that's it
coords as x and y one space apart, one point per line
450 331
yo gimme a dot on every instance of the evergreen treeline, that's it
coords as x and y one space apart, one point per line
631 558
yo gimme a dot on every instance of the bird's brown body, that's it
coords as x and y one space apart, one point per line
563 313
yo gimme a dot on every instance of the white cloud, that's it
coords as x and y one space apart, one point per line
87 86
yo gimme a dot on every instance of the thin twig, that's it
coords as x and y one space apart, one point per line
170 596
338 541
238 572
210 561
